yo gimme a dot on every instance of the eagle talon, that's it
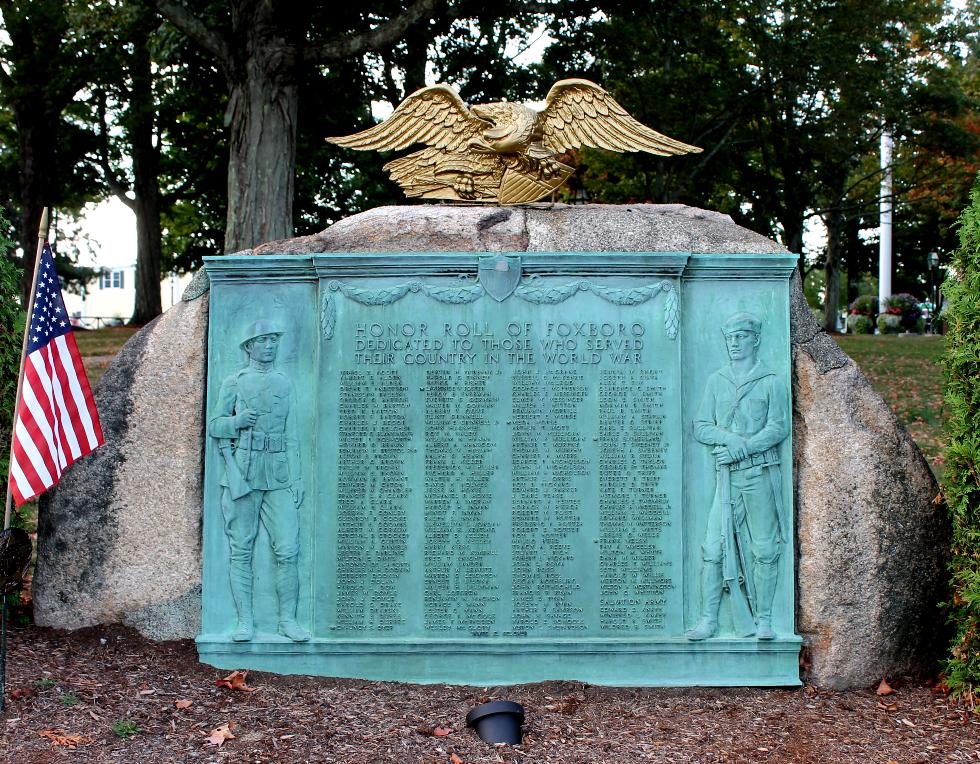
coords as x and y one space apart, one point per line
465 187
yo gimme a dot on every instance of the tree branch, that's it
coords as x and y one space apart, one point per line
379 37
120 190
194 28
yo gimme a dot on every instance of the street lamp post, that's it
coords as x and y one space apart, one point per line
933 260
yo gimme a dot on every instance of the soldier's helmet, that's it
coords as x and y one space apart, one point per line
258 329
742 322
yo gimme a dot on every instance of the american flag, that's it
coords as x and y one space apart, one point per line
57 422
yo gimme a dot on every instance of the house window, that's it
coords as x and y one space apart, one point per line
111 279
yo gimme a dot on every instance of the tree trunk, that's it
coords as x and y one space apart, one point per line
146 184
852 252
793 238
262 114
835 239
37 134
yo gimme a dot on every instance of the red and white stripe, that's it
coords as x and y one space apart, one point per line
57 422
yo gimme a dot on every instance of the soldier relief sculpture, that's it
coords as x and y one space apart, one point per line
254 424
744 416
503 152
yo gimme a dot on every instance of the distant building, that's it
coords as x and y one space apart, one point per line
109 298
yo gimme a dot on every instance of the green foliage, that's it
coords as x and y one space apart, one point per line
12 317
125 728
47 58
961 484
45 683
69 699
789 100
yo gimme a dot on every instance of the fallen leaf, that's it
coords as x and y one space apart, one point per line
182 704
219 735
59 738
442 731
884 688
888 706
455 759
21 692
235 681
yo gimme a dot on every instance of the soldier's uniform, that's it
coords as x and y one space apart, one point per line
267 458
755 408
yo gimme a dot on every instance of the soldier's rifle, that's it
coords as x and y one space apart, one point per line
733 561
237 486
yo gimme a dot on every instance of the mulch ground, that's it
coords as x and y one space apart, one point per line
108 695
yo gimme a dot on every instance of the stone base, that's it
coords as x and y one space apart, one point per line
721 662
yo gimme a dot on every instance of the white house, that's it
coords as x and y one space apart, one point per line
110 297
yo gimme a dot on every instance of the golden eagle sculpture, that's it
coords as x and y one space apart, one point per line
502 152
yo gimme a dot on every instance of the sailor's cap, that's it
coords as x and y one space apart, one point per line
742 322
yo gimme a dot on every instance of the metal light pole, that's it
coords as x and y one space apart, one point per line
933 259
885 224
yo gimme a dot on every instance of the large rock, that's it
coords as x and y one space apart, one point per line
119 540
871 542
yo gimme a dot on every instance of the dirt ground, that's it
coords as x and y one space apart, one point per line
108 695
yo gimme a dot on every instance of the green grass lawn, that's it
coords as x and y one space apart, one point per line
104 341
906 373
99 346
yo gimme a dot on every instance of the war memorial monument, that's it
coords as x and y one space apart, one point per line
488 445
493 469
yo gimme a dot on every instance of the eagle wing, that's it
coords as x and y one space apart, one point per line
580 113
436 116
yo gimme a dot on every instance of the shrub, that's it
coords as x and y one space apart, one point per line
906 307
889 323
859 323
865 305
961 478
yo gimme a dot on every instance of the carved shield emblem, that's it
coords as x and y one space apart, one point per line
500 275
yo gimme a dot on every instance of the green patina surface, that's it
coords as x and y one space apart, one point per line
483 487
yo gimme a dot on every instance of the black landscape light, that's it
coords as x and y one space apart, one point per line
15 557
498 721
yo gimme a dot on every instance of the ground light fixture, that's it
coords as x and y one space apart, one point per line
498 721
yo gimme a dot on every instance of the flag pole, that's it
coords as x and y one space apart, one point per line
42 237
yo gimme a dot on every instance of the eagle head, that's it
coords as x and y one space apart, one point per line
512 125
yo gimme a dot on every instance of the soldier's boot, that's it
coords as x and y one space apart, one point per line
765 590
287 587
711 583
241 593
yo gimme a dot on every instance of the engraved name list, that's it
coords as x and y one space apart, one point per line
509 472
